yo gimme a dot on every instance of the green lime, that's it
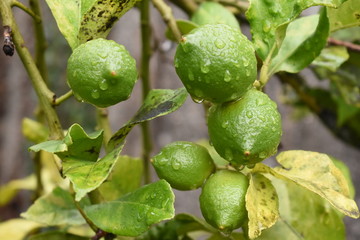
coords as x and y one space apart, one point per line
185 165
101 72
213 13
247 131
222 200
216 63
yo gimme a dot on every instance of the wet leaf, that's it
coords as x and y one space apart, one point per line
135 212
331 58
125 177
262 204
17 228
83 20
300 211
184 26
317 173
158 102
56 208
347 15
268 19
304 40
9 190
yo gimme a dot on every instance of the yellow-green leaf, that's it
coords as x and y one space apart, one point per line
347 15
262 204
17 228
8 191
317 173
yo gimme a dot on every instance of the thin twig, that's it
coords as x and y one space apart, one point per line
104 124
348 45
168 17
27 10
145 77
188 6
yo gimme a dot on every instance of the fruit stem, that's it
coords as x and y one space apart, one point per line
62 98
33 14
264 72
103 123
44 95
145 77
168 18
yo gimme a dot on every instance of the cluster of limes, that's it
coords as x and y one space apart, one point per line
217 63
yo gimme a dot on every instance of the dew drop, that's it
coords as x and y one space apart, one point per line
227 76
188 86
228 154
225 124
176 165
176 63
191 75
260 102
262 118
262 155
103 85
95 94
153 195
184 47
273 129
103 55
246 63
249 114
197 100
205 68
247 72
139 217
232 39
241 167
267 26
211 143
250 166
220 44
161 161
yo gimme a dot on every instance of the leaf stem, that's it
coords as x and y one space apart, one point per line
103 123
44 95
27 10
145 77
168 17
349 45
37 168
188 6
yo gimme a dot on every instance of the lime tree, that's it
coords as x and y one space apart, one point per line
185 165
216 62
101 72
247 131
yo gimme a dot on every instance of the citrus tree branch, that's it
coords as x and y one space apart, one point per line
188 6
168 17
44 95
145 78
349 45
40 44
26 9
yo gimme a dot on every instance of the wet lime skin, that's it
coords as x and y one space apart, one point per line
185 165
222 200
101 72
247 131
215 62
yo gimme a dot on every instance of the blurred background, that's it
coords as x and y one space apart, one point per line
18 100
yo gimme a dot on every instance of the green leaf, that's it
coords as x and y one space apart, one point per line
125 177
17 228
305 38
266 16
8 191
83 20
345 111
34 131
56 208
158 102
184 26
316 172
56 235
346 172
347 15
87 176
262 204
300 211
135 212
331 58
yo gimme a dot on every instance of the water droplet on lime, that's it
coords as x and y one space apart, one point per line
103 85
220 44
267 26
225 124
176 165
260 102
250 166
103 55
205 67
249 114
262 155
95 94
197 100
153 195
227 76
228 154
176 63
191 75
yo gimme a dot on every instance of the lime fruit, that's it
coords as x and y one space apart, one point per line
185 165
213 13
222 200
101 72
247 131
215 63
